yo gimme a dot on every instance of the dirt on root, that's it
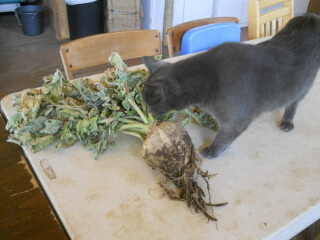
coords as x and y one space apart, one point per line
169 149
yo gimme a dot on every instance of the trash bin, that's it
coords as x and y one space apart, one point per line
85 17
30 19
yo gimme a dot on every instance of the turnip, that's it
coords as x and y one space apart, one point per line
169 149
81 110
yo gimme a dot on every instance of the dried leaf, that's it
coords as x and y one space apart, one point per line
52 126
39 143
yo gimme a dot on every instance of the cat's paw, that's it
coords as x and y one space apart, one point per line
286 126
209 153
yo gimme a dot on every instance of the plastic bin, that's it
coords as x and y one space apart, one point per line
207 36
31 19
85 17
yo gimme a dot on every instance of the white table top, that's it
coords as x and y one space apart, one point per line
270 178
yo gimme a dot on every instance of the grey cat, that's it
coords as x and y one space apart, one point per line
236 82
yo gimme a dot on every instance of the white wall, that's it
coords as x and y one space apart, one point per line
153 12
188 10
232 8
300 6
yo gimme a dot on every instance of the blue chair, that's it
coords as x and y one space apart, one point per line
207 36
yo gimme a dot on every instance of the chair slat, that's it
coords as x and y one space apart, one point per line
268 33
274 26
262 30
268 19
269 16
94 50
268 3
280 23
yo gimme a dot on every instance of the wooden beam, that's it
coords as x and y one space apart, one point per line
56 11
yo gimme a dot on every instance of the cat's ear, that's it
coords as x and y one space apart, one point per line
151 63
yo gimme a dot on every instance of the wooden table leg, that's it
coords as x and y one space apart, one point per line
24 210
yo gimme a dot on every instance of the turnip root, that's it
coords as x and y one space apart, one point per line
169 149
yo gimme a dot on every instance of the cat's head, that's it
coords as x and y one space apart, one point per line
161 90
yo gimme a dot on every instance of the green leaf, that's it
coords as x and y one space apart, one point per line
93 112
51 127
48 112
14 122
205 119
55 94
125 103
39 143
103 94
67 113
116 61
87 127
123 77
186 120
68 137
58 77
34 125
35 109
82 110
16 100
20 139
158 57
12 139
101 146
83 84
45 90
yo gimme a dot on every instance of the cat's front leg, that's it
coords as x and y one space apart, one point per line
226 135
286 122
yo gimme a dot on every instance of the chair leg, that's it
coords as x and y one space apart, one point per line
16 15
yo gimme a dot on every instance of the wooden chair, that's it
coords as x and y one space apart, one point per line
314 7
95 50
270 22
175 34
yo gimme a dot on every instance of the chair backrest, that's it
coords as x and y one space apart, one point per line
314 7
270 22
207 36
174 34
96 49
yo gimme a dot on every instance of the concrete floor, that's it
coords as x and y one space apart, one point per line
25 60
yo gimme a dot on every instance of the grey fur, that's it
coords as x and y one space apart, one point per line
236 82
